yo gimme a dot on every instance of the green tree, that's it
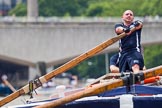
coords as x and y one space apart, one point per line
93 7
19 10
62 7
153 55
90 68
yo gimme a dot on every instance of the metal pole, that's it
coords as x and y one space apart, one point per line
107 62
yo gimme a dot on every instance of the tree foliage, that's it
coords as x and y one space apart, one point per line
59 7
93 7
19 10
153 55
90 68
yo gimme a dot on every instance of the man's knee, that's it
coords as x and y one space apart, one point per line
135 68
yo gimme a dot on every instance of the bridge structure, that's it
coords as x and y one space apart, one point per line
27 45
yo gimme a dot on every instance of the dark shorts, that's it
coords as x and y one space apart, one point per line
128 59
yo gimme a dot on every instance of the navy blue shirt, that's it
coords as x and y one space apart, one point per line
130 42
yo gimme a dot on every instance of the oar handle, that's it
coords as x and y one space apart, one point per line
11 97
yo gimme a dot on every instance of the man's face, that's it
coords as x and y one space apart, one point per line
128 16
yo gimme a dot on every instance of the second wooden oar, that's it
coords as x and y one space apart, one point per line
95 89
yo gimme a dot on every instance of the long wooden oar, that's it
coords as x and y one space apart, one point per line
38 82
100 88
6 82
96 89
